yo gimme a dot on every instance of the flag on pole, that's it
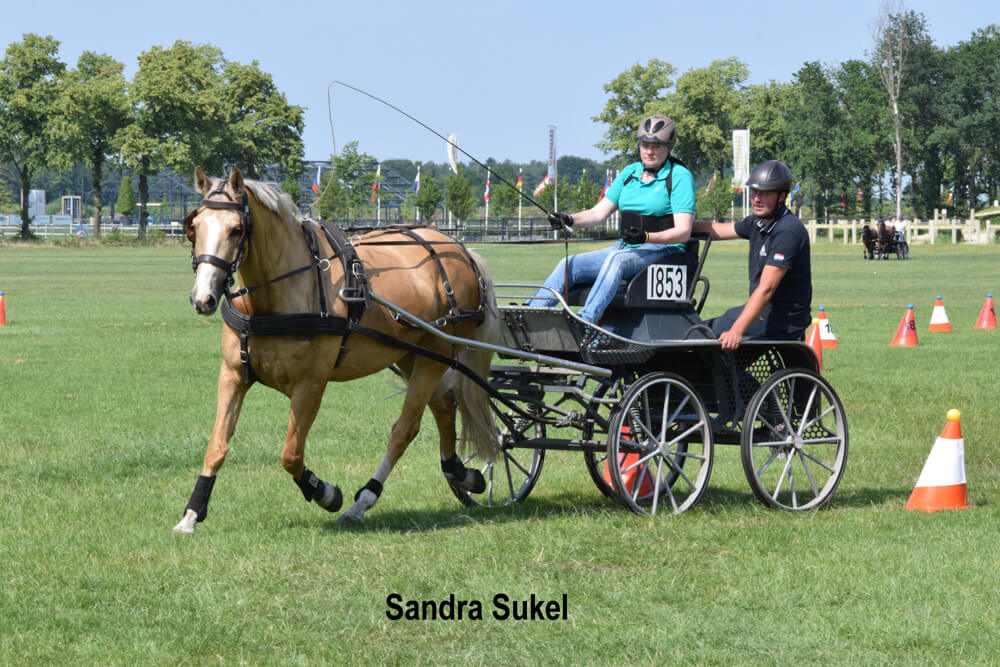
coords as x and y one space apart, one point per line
378 175
607 184
710 184
951 194
542 184
860 194
795 191
315 186
486 195
416 181
520 180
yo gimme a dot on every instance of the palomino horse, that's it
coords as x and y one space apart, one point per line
301 320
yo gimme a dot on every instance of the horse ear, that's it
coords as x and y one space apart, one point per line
202 183
236 182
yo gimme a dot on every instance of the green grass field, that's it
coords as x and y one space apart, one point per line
107 396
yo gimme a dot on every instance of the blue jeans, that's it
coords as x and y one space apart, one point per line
604 269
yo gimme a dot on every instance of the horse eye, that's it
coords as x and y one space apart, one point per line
236 231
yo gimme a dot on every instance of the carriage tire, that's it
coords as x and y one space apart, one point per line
514 473
794 441
596 462
660 445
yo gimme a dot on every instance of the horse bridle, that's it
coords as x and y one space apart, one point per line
246 226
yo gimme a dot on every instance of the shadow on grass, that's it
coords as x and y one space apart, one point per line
458 516
715 502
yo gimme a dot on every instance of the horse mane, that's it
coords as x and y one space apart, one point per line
272 198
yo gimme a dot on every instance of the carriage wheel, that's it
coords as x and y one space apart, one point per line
660 445
794 441
512 476
903 250
596 462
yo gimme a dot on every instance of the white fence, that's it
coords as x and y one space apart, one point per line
971 230
55 226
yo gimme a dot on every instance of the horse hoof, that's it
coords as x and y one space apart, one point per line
477 483
473 482
347 521
187 524
332 499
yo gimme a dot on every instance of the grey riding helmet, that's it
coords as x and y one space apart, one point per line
771 176
657 129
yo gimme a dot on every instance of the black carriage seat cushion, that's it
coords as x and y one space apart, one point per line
632 293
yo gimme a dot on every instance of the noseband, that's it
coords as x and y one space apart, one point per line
246 225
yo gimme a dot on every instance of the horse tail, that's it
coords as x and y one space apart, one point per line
478 422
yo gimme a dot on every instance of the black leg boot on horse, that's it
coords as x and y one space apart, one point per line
287 326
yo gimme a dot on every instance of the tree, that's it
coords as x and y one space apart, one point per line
587 193
92 108
175 114
764 114
332 202
716 200
705 108
30 75
504 197
126 197
259 127
459 197
812 113
894 35
971 139
428 198
631 93
347 195
291 187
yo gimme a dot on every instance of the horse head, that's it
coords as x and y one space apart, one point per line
219 231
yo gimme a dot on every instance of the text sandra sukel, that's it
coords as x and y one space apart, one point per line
502 608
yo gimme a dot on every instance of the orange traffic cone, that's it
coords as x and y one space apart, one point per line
641 473
906 334
939 318
826 335
814 341
3 311
941 485
987 316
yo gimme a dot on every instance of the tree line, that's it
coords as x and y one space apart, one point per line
186 105
912 118
911 124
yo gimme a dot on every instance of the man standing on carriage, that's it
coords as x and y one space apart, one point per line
778 264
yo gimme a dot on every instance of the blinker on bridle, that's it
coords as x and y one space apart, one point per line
246 225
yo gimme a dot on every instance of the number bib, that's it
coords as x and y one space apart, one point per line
666 282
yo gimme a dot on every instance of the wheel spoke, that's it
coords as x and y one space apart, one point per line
805 466
680 471
809 456
809 403
781 478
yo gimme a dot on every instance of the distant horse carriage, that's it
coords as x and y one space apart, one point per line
883 241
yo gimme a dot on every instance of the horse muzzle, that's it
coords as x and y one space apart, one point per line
209 285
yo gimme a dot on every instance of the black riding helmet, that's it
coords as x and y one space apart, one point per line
771 176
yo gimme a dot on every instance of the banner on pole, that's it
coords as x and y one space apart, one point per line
741 157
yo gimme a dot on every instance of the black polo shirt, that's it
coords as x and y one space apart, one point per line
781 242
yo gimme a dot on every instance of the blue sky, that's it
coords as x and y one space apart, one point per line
495 73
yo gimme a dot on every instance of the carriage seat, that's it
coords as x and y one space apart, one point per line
634 292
